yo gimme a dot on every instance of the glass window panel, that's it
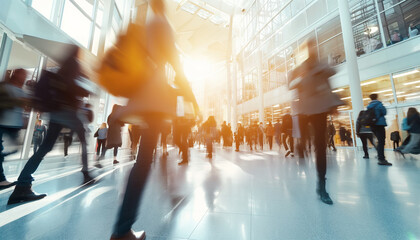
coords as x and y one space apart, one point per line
44 7
86 5
297 6
385 4
367 37
344 93
407 85
280 59
204 14
281 74
95 43
277 23
381 86
75 24
332 51
286 14
120 4
332 5
361 10
100 14
298 24
316 11
329 29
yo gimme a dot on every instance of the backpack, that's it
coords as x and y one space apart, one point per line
368 117
395 136
126 65
48 91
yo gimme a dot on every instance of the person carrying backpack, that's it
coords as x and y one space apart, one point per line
63 104
11 115
365 133
378 126
153 102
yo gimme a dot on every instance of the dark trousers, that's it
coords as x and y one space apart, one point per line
37 143
288 142
101 145
67 142
13 134
331 142
115 151
364 137
270 141
261 141
25 177
137 179
379 132
320 121
395 144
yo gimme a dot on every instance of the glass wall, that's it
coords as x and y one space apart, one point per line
407 86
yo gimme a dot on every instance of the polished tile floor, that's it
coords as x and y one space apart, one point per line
245 195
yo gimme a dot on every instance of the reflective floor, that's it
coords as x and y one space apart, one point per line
258 195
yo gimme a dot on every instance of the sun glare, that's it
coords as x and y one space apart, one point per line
197 70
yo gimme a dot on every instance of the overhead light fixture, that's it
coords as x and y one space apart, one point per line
405 74
190 7
382 91
204 14
338 90
368 83
345 98
411 83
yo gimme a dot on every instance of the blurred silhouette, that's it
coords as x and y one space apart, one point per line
365 133
113 138
269 132
60 95
286 129
134 132
260 135
101 135
209 128
315 101
67 139
39 134
413 121
396 139
277 133
12 99
152 103
331 135
378 127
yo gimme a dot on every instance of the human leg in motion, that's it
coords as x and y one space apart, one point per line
23 191
320 120
137 180
364 139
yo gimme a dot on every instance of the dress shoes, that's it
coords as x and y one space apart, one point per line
24 194
132 236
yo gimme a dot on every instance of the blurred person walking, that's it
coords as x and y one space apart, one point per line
331 135
60 95
316 100
39 134
12 99
413 121
269 132
135 132
364 132
113 138
209 128
153 102
260 135
67 140
287 130
378 128
101 136
277 132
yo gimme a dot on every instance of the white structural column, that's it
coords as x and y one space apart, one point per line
5 50
229 72
27 142
260 88
235 95
351 58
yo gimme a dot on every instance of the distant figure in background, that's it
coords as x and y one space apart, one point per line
349 139
135 132
113 138
379 127
260 135
331 135
287 130
395 37
269 132
40 131
166 130
277 132
12 100
413 120
316 100
225 134
67 140
100 135
209 128
364 133
396 139
412 31
342 132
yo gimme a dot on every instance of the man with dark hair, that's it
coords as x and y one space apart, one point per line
379 127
